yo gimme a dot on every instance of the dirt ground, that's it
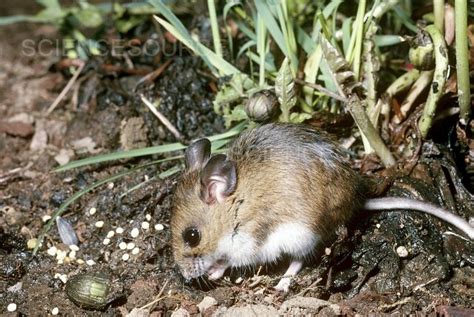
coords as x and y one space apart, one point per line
387 263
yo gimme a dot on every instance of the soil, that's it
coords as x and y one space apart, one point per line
387 263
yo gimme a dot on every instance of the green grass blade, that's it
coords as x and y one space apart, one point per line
272 25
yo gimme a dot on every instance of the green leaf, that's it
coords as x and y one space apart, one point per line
89 16
237 114
285 89
299 117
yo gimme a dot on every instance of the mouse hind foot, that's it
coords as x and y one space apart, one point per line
284 284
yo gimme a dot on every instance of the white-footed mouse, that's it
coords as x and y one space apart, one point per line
282 189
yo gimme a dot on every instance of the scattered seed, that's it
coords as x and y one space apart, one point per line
92 211
110 234
72 254
99 224
130 245
55 311
378 225
61 255
61 277
45 218
110 185
159 227
123 245
125 257
145 225
80 261
11 307
74 247
31 244
135 251
327 251
239 280
106 241
90 262
402 251
119 230
135 232
52 251
148 217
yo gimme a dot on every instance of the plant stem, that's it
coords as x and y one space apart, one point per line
261 48
215 27
462 60
439 79
438 11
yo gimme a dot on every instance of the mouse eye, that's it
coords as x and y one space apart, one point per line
192 236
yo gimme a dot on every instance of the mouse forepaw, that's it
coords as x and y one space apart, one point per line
283 285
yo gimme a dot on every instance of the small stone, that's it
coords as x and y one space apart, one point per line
181 312
122 245
135 232
119 230
11 307
145 225
125 257
106 241
52 251
55 311
45 218
110 234
130 245
159 227
206 303
99 224
90 262
92 211
148 217
402 251
73 247
135 251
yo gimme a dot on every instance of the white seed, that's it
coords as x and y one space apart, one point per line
135 251
378 225
125 257
110 185
92 211
61 277
119 230
72 254
106 241
159 227
31 244
402 251
80 261
130 245
123 245
239 280
11 307
99 224
90 262
135 232
45 218
55 311
61 255
110 234
327 251
145 225
74 247
148 217
52 251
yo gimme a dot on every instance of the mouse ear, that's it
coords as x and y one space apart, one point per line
197 154
218 179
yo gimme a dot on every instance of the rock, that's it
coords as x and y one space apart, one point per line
206 303
137 312
17 128
181 312
247 311
311 303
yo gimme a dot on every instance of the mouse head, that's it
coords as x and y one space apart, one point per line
201 211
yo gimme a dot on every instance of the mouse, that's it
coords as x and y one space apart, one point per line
280 190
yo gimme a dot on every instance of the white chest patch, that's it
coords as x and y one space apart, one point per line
239 249
293 239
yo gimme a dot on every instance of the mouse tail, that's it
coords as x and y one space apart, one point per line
391 203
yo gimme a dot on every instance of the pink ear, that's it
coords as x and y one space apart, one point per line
218 179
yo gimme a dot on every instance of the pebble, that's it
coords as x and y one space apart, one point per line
11 307
135 251
159 227
99 224
125 257
55 311
402 251
110 234
130 245
92 211
122 245
206 303
135 232
119 230
145 225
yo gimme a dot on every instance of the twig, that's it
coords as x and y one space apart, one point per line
154 74
462 59
162 118
321 89
66 89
